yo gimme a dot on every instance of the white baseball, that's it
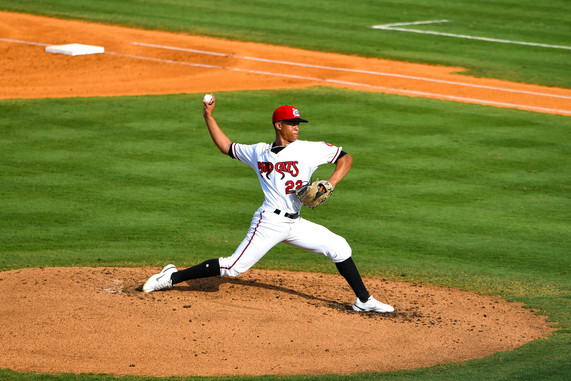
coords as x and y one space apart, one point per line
208 99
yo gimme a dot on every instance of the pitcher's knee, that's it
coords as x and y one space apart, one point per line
230 272
229 269
340 250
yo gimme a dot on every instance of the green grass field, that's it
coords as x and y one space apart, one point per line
460 195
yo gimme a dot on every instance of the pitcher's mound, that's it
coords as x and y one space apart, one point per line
97 320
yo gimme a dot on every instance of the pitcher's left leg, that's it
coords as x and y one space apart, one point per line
318 239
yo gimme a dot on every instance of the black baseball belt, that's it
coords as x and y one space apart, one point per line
288 215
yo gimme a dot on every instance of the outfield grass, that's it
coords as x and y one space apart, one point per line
461 195
336 26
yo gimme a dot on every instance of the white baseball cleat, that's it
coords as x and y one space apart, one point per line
160 281
372 305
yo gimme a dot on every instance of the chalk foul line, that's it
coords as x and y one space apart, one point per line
396 27
326 80
355 84
358 71
23 42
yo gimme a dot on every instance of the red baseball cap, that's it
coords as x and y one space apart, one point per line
287 113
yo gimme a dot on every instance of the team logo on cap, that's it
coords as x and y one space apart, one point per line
295 112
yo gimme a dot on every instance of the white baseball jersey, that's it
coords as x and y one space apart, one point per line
281 173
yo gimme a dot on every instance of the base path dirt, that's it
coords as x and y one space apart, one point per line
97 320
139 62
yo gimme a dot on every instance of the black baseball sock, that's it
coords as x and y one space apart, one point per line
349 271
204 270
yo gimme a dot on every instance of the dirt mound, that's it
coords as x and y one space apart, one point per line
97 320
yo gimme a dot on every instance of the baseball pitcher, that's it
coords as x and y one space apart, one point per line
284 169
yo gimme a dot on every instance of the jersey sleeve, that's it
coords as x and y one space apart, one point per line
327 153
245 153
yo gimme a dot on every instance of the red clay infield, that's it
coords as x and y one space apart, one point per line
97 320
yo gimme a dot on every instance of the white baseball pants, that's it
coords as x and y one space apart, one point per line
268 229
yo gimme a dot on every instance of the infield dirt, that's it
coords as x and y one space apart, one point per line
140 62
97 320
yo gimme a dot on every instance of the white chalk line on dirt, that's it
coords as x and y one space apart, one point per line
23 42
358 71
394 27
346 83
328 68
355 84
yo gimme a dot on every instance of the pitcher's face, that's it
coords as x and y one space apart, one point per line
289 131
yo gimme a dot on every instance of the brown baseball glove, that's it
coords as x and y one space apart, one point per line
314 194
